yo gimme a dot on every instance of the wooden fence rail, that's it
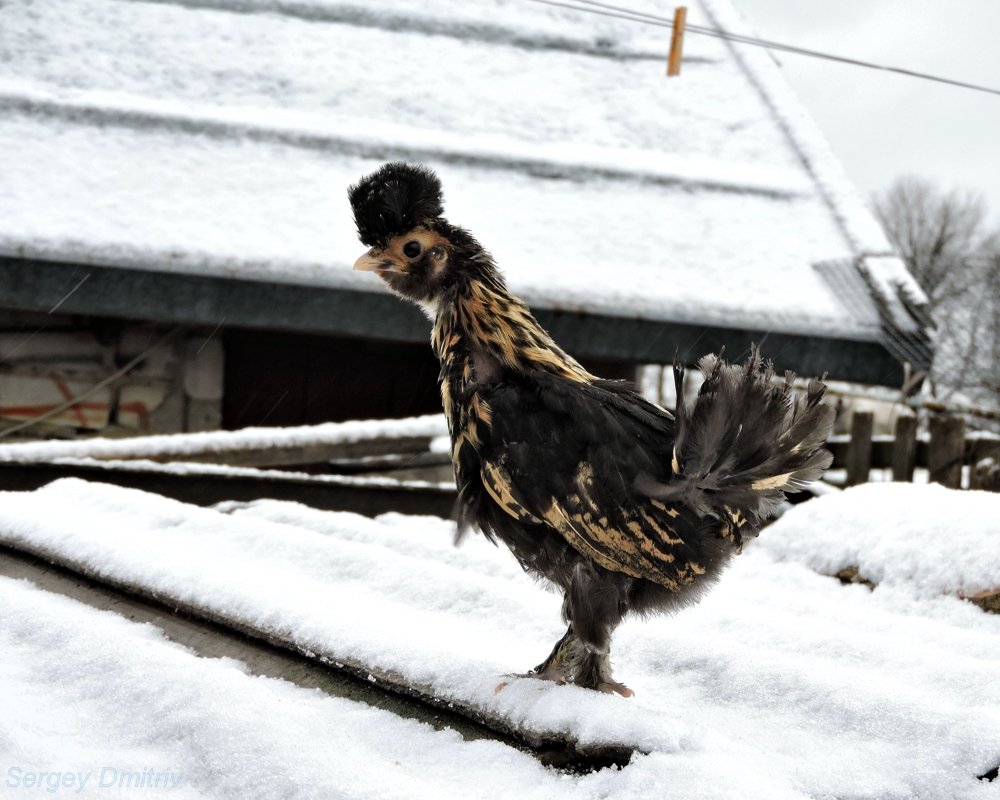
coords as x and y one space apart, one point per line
944 453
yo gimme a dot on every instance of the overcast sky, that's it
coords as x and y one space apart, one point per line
884 125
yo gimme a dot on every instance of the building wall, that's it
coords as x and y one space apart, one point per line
193 379
46 360
292 379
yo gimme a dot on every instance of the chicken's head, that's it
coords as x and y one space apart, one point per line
419 254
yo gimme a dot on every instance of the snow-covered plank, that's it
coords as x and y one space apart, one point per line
121 703
304 444
782 683
210 640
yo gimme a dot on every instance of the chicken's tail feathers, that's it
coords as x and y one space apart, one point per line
745 440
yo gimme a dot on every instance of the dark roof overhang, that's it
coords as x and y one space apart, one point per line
200 300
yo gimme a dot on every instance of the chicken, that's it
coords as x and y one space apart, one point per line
625 507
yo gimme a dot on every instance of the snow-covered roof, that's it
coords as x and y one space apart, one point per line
218 138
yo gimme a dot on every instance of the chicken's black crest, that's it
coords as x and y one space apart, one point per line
393 200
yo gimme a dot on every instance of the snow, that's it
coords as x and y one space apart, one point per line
781 684
123 698
927 539
179 445
219 140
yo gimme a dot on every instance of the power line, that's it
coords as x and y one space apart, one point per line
620 12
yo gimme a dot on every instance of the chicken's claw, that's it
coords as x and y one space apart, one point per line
613 687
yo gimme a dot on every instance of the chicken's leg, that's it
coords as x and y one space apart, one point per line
593 606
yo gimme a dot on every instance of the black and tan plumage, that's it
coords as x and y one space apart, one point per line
624 506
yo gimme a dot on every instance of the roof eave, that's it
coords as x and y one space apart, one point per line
191 299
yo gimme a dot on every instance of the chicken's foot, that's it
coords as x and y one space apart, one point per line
573 661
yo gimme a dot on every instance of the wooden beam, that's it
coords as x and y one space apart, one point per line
269 650
677 42
985 476
328 493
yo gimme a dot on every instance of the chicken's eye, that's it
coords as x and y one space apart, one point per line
411 249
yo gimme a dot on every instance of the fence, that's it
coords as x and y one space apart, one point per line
944 453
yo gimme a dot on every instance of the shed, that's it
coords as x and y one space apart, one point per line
181 167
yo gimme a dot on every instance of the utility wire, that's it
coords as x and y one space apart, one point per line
631 15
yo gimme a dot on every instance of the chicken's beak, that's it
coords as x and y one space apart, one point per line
369 263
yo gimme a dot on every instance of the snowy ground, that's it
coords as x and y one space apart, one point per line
782 683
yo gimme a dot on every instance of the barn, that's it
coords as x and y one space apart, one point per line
176 244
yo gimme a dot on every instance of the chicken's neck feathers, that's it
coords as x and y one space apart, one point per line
483 335
485 328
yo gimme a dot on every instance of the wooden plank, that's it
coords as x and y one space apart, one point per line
904 451
859 453
947 450
304 454
551 747
980 449
215 641
328 493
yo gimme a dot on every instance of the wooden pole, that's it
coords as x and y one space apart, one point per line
904 450
985 476
947 449
677 42
859 451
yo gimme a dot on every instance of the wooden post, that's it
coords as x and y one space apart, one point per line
947 448
904 450
677 42
859 451
985 476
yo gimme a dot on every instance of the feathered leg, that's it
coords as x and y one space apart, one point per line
593 607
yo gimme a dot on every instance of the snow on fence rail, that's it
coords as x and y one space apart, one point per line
256 447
